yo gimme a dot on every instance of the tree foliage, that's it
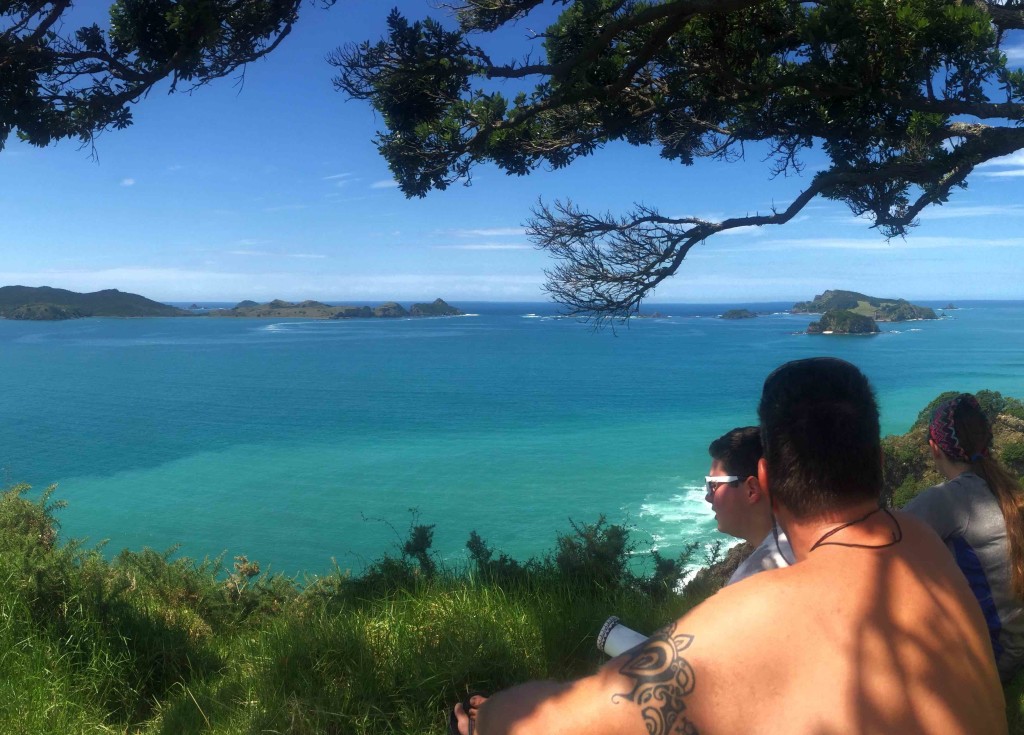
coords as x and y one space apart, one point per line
904 98
57 82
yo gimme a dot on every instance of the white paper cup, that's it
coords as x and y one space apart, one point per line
615 638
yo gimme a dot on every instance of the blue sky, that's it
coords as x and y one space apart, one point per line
271 187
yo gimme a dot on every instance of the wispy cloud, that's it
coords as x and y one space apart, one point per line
190 284
286 207
879 243
752 231
490 232
979 210
384 184
485 246
341 180
1011 173
1013 159
946 212
1013 163
127 182
271 254
1014 54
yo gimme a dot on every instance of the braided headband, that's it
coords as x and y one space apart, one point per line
942 429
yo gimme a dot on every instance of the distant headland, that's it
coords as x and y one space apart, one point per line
849 312
54 304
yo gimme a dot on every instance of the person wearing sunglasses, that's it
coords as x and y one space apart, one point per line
741 506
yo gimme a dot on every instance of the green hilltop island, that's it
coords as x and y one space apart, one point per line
55 304
849 312
278 309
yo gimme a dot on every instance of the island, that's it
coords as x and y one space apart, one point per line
879 309
843 321
44 303
280 309
738 314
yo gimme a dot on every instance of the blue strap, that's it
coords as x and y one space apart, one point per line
970 565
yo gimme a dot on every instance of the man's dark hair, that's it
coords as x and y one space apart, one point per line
738 451
819 426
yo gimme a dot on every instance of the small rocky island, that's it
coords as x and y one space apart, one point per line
843 321
54 304
738 314
278 309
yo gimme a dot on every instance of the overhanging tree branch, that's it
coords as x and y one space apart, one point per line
58 84
903 99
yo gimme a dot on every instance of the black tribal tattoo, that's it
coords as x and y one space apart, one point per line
663 679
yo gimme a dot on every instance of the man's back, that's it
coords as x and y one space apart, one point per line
850 640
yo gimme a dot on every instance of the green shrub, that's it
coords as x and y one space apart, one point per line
1013 457
992 404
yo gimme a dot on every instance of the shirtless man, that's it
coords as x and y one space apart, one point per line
872 630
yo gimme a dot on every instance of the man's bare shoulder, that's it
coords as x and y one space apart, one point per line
745 602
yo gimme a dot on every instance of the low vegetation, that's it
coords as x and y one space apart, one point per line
150 643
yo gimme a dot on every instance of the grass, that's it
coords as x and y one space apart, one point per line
150 644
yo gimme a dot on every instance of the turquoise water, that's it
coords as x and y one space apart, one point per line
299 443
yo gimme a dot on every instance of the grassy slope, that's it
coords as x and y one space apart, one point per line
865 309
149 644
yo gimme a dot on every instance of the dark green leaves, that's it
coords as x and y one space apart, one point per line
56 84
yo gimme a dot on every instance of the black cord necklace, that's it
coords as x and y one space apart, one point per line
897 535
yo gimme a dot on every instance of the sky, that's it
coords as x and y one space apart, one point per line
270 186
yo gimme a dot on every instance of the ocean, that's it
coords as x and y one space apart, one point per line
308 445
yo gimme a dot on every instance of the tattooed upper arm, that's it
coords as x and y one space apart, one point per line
662 679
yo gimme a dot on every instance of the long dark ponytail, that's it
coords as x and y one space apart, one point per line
971 442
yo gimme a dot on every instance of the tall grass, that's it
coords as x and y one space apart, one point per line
149 643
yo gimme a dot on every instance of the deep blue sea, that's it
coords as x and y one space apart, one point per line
302 444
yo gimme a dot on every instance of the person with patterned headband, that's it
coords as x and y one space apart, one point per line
979 513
